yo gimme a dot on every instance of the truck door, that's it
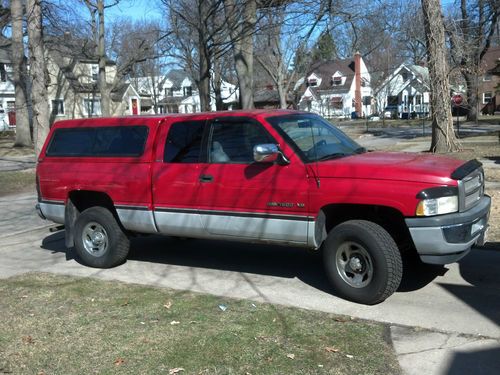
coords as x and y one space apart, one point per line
242 198
175 178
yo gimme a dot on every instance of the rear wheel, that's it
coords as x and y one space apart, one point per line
99 240
362 261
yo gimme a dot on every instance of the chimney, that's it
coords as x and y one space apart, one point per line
357 82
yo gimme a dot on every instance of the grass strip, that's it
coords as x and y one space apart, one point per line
66 325
16 182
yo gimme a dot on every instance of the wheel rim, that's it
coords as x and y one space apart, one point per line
95 239
354 264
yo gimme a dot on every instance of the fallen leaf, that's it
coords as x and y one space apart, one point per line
341 320
24 296
41 372
119 361
28 340
175 370
331 349
349 356
143 322
174 322
124 303
321 366
291 356
167 305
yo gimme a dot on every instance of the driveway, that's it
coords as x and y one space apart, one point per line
459 303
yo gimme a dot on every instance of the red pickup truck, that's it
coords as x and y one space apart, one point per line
281 177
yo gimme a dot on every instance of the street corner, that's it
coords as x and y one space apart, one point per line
429 352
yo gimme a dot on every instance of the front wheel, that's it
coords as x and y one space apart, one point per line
99 240
362 261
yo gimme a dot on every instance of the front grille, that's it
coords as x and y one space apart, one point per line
471 189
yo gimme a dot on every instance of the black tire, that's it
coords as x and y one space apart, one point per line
362 261
99 240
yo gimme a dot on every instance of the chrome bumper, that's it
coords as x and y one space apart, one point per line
447 238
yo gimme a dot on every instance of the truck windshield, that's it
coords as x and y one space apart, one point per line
314 138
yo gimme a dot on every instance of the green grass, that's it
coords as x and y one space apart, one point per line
65 325
16 182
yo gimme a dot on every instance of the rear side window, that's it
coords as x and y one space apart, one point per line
124 141
184 142
233 140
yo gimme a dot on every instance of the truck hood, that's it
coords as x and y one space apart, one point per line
395 166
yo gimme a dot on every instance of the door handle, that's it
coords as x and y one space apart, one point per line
206 178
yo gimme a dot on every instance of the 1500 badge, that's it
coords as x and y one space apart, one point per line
285 204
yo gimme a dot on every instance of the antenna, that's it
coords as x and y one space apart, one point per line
316 154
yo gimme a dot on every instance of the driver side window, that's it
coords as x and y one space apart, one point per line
233 141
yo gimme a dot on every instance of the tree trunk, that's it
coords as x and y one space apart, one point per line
472 99
443 136
217 83
101 53
241 32
37 72
23 134
204 58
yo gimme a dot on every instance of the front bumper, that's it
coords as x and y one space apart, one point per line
447 238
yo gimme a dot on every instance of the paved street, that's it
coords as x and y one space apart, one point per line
16 163
460 301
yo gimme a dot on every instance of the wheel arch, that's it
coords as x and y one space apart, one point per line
77 202
389 218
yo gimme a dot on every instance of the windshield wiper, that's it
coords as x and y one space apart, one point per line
360 150
332 156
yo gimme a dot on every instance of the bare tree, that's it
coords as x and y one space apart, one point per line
471 37
37 73
140 48
443 136
23 134
277 39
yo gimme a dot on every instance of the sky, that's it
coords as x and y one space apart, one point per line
148 9
135 9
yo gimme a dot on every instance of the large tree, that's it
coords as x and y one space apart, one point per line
23 134
241 19
443 136
39 97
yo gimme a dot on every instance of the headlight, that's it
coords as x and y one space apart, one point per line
437 201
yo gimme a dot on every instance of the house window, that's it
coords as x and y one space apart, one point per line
92 107
169 91
187 91
313 82
487 77
487 97
3 73
94 68
337 103
337 81
418 99
57 107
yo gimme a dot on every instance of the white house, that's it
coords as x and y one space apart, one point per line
7 92
176 92
337 88
405 92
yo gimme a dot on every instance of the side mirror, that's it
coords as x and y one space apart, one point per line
266 153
